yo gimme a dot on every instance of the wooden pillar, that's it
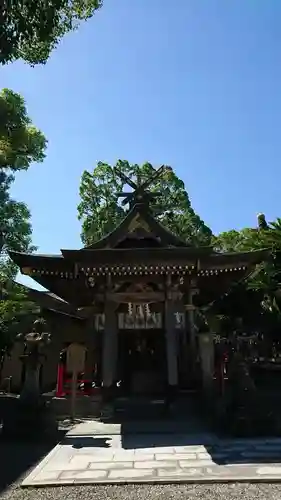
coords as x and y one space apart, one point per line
206 347
191 322
171 343
99 356
89 364
110 345
90 352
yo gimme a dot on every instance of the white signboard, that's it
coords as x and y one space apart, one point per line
75 358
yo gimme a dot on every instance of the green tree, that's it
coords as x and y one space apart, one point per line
21 143
31 29
259 299
237 241
248 239
15 311
265 235
101 211
15 218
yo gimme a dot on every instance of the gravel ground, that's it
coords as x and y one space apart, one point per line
145 492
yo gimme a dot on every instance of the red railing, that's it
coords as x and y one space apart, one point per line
84 386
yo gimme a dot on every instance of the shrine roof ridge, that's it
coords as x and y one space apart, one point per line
157 230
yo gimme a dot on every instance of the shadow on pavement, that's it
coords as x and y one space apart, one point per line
221 452
197 447
79 442
18 457
138 441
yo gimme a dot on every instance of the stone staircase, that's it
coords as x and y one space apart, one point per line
85 406
139 408
184 409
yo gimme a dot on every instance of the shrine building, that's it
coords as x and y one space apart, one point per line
132 299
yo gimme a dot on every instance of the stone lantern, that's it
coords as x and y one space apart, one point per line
30 416
34 343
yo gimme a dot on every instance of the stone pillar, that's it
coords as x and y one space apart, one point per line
110 345
171 343
206 347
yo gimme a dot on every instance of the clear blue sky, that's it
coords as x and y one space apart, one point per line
195 84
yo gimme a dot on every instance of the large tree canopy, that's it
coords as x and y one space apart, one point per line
101 211
21 143
31 29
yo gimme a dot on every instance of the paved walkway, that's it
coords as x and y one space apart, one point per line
93 453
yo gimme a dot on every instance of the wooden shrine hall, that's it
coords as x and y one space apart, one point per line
132 298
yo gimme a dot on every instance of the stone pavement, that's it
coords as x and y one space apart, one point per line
96 453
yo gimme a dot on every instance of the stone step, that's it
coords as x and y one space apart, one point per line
85 406
140 408
149 409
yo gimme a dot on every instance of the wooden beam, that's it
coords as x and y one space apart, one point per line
134 297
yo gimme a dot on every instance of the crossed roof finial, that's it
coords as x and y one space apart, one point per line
140 193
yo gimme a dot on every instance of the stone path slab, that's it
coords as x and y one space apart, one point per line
88 456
